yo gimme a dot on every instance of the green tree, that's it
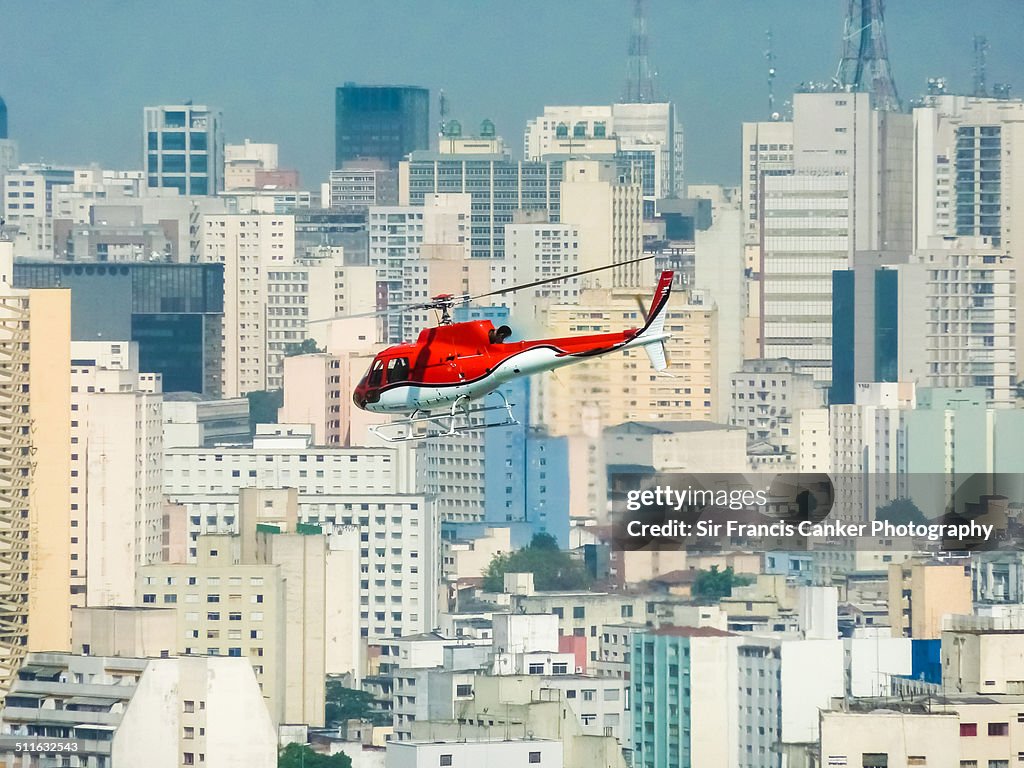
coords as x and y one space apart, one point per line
900 511
552 568
351 704
304 347
301 756
715 584
263 405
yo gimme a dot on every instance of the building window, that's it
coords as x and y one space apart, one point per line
876 760
464 690
579 612
968 729
998 729
445 760
535 757
190 706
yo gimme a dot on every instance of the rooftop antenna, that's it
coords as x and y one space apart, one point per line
769 56
980 65
865 62
639 77
442 108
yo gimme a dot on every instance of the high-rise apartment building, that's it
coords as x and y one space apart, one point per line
649 133
606 207
767 398
173 710
28 197
35 478
685 697
173 312
498 185
385 122
117 463
622 387
360 183
806 235
767 146
184 148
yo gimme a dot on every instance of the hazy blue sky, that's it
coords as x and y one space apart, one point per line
76 75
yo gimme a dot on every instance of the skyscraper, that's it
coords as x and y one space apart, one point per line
3 118
184 148
386 122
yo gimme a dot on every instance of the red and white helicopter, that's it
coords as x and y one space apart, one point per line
454 365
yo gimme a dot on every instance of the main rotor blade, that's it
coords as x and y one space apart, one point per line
397 309
555 279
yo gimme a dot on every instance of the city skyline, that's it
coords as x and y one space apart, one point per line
241 62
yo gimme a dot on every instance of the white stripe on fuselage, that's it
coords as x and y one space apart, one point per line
423 397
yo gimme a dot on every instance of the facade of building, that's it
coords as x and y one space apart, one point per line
36 476
28 199
806 237
922 593
498 185
173 311
384 122
673 669
116 465
184 149
767 398
176 711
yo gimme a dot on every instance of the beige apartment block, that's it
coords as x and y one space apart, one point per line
921 594
622 387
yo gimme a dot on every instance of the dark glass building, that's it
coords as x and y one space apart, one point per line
174 311
3 119
386 122
865 330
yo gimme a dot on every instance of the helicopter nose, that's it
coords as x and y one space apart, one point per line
359 399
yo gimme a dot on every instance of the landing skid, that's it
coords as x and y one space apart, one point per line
459 418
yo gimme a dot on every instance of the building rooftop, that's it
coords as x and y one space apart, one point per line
674 631
669 427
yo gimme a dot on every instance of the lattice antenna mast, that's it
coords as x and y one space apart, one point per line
769 56
980 65
639 76
865 63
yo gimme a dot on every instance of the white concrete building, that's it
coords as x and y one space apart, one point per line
971 287
806 235
196 421
116 465
249 247
767 398
606 207
175 711
184 148
500 753
651 125
767 146
537 251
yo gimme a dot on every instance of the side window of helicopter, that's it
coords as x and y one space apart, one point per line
376 373
398 369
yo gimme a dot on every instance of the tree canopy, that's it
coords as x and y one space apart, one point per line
552 568
351 704
304 347
715 584
901 512
263 405
301 756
